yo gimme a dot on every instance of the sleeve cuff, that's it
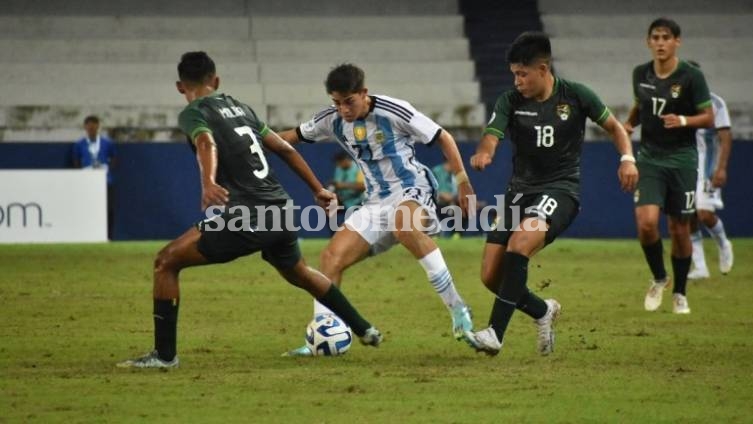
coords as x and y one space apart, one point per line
199 130
435 138
264 131
495 132
301 137
604 116
704 105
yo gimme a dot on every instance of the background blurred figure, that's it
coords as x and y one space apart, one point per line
447 194
347 184
95 151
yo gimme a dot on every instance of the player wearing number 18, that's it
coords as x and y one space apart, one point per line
671 101
228 138
545 117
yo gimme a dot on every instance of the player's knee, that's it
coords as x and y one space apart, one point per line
164 260
330 262
489 279
648 228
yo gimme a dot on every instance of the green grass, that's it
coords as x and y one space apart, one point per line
69 312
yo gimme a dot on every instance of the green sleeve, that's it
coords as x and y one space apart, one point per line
700 90
592 105
192 122
261 126
636 83
500 117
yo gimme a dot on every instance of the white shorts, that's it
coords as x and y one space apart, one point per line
375 220
708 198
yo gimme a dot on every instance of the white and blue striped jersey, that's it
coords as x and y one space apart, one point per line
707 139
381 143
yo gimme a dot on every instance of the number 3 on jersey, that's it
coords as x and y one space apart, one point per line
255 149
544 135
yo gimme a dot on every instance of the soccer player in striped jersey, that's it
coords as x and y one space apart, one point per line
714 146
379 133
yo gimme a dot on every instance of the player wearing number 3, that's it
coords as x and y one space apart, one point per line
226 136
671 101
545 117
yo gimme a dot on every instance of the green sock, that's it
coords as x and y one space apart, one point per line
336 301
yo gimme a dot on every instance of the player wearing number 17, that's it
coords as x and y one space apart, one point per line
545 117
671 101
227 137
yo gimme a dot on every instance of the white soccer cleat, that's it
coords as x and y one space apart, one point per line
698 274
680 304
150 360
486 341
545 326
372 337
654 294
726 258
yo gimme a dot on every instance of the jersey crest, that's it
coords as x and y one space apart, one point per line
675 90
563 111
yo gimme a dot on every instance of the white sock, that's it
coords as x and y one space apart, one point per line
320 309
440 278
699 258
717 233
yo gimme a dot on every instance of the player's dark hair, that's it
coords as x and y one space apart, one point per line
195 67
345 78
665 23
694 63
530 47
94 119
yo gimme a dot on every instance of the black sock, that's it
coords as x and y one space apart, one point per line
655 258
532 305
336 301
511 290
680 268
166 327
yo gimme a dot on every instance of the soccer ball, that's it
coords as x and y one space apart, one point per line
328 335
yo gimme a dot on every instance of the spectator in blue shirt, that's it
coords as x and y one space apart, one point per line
95 151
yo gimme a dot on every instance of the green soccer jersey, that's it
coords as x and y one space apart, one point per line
242 167
684 92
547 136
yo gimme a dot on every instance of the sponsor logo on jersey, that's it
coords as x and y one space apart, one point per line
563 111
526 113
494 115
649 86
675 89
359 132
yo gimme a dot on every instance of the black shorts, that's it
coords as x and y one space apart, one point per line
557 208
223 243
672 189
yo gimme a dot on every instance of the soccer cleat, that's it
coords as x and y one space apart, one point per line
150 360
680 304
462 324
302 351
726 257
545 326
486 341
654 294
372 337
698 274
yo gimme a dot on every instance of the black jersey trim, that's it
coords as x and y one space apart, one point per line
301 137
435 138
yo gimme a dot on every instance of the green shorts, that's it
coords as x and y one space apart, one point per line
223 243
557 208
672 189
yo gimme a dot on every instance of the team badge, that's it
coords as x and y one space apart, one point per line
379 136
359 132
675 90
563 111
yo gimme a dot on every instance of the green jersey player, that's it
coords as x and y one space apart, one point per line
235 178
545 117
671 101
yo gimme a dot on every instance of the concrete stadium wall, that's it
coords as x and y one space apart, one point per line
158 192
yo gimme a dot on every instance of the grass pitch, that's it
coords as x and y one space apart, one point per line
69 312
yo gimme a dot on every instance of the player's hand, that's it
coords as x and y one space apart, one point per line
719 179
213 194
671 121
464 190
479 161
628 127
628 175
327 200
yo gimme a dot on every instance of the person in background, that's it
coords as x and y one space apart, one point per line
347 183
447 193
95 151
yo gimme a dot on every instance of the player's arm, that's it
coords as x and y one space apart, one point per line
291 136
627 172
725 147
206 156
493 133
704 119
450 151
282 148
484 152
633 119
